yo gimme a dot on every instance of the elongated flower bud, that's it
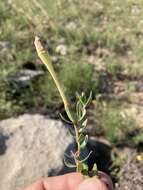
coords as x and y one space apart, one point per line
45 58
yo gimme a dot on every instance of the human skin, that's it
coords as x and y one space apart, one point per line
73 181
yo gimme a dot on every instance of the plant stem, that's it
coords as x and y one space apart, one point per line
77 154
45 58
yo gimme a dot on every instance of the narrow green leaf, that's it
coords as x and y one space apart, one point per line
81 130
83 115
83 94
89 99
83 126
68 164
84 142
71 131
84 166
86 158
80 98
79 109
82 102
67 155
95 170
64 119
84 169
77 95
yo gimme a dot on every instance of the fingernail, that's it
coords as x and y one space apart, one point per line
92 184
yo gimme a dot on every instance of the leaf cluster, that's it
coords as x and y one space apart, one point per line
81 137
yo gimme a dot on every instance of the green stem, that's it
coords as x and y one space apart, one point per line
45 58
77 156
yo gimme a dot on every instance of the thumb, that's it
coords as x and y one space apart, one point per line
92 184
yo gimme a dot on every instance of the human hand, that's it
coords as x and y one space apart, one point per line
73 181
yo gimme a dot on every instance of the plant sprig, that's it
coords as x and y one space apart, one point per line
78 120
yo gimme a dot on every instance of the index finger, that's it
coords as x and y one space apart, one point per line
64 182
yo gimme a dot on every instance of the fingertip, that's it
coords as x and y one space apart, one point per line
92 184
74 179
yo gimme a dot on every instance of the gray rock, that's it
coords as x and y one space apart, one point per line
31 146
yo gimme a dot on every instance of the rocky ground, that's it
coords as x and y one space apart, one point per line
131 174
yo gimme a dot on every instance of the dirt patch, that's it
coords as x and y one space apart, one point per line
131 173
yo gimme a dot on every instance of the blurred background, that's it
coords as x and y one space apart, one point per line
95 45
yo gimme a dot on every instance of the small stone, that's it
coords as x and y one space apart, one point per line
24 76
61 49
71 26
4 46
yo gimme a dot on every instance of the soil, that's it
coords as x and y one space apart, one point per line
131 172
